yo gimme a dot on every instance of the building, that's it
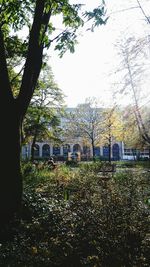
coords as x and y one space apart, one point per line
46 149
60 152
118 151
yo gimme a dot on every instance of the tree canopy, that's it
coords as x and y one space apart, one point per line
26 30
36 19
42 120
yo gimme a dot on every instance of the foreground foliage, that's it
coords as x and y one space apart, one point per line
77 217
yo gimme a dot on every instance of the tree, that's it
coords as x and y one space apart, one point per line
42 120
131 135
111 128
133 67
35 17
84 122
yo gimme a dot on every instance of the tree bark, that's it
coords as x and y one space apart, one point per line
12 112
10 180
33 63
10 174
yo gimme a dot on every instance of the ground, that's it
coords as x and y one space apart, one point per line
74 217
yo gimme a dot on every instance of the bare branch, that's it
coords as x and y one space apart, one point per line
123 10
140 6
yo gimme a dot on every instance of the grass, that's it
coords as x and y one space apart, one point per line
72 217
134 164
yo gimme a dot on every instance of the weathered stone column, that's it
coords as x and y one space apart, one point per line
101 151
61 150
51 149
40 149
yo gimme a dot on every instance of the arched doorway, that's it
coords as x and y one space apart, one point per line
76 148
97 151
66 149
106 152
115 152
86 152
56 150
45 151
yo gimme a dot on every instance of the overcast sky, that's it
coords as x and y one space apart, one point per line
88 72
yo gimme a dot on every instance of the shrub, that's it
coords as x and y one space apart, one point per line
72 163
102 223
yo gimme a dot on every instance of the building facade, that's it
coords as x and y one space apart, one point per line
46 149
118 151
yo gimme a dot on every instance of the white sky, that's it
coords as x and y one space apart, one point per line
87 72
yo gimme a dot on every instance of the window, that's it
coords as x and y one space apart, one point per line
45 150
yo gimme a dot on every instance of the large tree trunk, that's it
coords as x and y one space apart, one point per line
10 173
13 110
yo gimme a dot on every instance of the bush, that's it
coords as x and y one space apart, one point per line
101 223
91 166
72 163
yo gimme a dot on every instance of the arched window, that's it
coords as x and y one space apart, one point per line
66 149
46 151
56 150
115 152
36 151
86 150
76 148
106 152
97 151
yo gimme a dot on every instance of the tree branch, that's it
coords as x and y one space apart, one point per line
122 10
34 59
140 6
57 36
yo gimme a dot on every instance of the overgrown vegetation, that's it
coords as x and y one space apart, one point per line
77 217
